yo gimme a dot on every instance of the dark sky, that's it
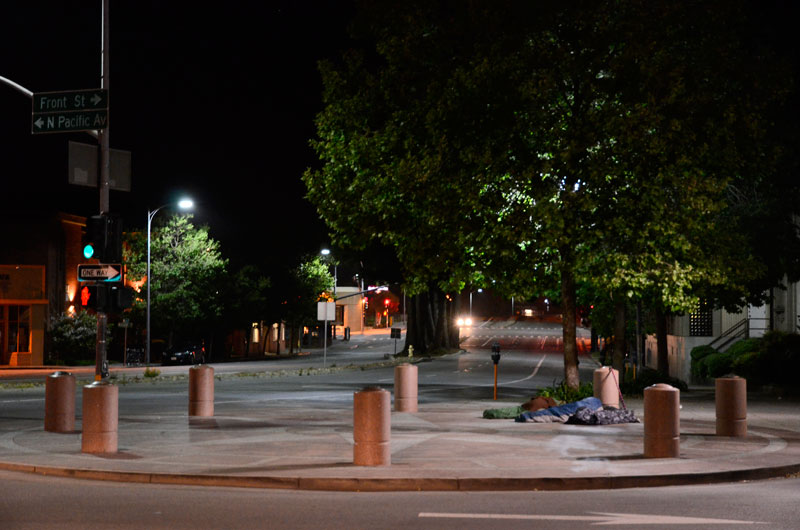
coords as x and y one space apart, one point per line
215 100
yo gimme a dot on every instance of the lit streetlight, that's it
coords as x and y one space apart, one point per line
183 204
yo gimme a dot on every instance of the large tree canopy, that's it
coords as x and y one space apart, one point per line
543 144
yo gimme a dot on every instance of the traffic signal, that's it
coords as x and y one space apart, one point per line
94 296
106 298
103 239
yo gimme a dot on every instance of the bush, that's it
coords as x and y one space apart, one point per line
698 354
718 364
750 366
74 337
744 346
563 394
779 357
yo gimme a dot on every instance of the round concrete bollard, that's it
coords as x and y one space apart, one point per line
405 388
201 390
662 436
100 418
372 428
59 402
605 383
731 403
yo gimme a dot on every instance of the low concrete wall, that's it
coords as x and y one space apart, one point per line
679 348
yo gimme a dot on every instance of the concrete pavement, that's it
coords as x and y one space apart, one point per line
445 446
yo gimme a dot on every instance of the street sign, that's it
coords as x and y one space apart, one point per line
82 165
103 272
326 311
395 333
70 100
90 120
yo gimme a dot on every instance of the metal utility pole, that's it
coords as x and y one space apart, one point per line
101 369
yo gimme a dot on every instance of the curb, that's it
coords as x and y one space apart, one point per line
411 484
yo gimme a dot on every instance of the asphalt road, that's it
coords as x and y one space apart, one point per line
35 502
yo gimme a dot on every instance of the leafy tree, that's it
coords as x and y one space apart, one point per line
587 142
188 277
305 286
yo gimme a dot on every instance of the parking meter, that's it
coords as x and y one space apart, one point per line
495 359
496 352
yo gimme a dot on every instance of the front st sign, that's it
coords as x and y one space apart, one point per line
102 272
71 100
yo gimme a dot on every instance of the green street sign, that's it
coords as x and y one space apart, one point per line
92 120
71 100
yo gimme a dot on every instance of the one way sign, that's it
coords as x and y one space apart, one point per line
100 273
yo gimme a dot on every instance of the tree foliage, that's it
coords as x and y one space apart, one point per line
560 144
188 274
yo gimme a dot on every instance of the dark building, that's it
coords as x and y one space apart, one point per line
39 256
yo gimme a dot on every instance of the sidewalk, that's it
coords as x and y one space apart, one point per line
442 447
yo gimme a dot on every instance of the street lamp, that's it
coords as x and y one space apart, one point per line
183 204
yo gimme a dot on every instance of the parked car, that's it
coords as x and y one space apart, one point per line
184 354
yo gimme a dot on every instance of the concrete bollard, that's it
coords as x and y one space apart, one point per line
372 428
201 390
731 403
59 402
100 418
662 436
405 388
605 383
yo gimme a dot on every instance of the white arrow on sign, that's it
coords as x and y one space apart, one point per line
39 123
96 99
99 272
598 519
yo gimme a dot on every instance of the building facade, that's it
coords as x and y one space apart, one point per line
38 278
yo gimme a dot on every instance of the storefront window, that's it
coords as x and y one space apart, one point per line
19 328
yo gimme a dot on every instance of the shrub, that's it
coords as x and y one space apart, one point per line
151 372
698 355
744 346
750 366
718 364
780 357
74 337
563 394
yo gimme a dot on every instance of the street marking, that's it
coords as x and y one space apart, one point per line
598 519
487 342
535 371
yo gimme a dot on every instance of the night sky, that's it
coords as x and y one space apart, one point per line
214 100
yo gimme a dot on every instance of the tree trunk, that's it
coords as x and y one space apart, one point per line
429 323
620 327
571 377
661 341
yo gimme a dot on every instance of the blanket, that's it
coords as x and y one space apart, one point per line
559 413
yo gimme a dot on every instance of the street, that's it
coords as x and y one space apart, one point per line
34 502
529 361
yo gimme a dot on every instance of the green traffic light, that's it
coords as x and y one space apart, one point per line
88 251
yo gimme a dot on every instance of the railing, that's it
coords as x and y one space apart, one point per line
740 330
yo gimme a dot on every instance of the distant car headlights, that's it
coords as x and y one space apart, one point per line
464 321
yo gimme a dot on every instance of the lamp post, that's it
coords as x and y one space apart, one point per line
183 204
